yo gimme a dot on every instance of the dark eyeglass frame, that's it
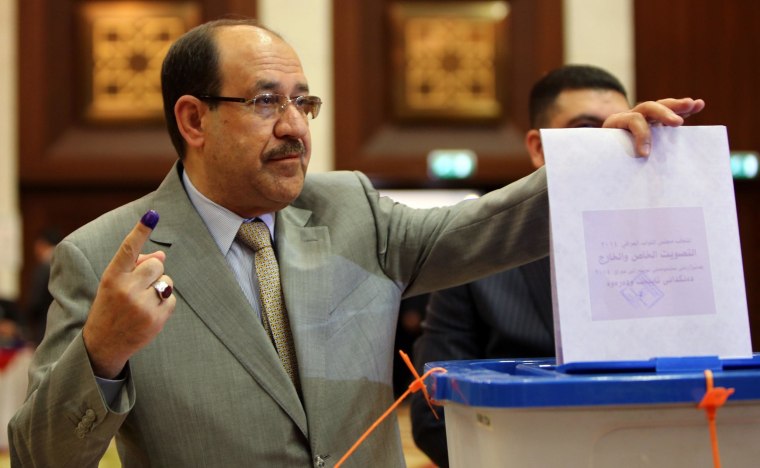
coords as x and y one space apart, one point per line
283 101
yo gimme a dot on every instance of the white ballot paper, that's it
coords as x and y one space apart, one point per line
645 254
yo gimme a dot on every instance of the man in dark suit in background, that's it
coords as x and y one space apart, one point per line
509 314
10 335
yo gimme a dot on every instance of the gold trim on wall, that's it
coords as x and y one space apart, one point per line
448 60
123 46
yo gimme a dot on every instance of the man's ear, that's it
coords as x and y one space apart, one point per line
535 148
189 112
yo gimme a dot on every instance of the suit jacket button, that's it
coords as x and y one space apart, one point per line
88 418
319 460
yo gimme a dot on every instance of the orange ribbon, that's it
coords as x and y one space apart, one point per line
417 385
714 398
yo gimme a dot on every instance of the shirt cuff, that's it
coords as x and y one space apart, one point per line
111 388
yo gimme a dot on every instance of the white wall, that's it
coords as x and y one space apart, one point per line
10 239
309 32
600 32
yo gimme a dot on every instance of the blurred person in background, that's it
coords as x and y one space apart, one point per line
39 297
10 331
509 314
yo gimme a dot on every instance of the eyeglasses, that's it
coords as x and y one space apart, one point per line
270 105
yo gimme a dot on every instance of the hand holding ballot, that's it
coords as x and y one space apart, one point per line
670 112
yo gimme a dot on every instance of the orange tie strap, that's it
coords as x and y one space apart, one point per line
714 398
416 385
419 383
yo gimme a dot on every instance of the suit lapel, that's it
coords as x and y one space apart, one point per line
303 254
204 281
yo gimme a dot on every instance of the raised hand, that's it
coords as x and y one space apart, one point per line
128 311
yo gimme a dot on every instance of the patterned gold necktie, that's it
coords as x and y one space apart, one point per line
274 316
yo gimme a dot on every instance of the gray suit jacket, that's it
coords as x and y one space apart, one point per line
210 390
506 315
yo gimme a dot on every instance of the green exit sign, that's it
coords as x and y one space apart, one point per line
744 164
452 163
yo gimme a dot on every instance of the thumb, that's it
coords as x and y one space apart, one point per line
126 257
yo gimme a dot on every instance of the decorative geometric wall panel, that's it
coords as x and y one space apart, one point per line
420 76
124 46
85 148
448 59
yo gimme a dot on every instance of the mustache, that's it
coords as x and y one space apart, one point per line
287 148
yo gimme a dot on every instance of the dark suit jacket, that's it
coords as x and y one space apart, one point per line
210 390
506 315
39 302
9 310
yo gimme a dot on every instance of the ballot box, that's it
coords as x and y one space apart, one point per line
531 413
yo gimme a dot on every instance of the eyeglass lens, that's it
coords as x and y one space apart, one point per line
268 105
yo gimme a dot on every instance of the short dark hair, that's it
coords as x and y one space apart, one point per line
191 67
570 77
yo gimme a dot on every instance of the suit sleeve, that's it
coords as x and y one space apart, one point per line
431 249
65 420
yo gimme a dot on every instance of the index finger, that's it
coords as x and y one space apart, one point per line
658 112
684 107
126 257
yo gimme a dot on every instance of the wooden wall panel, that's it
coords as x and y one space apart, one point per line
394 154
71 171
709 49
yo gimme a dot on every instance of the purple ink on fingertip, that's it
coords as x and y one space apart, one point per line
150 219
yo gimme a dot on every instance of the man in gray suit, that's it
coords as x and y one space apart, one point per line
509 314
155 334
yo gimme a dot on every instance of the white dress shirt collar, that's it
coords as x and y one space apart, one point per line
222 223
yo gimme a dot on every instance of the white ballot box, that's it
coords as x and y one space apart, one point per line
533 414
